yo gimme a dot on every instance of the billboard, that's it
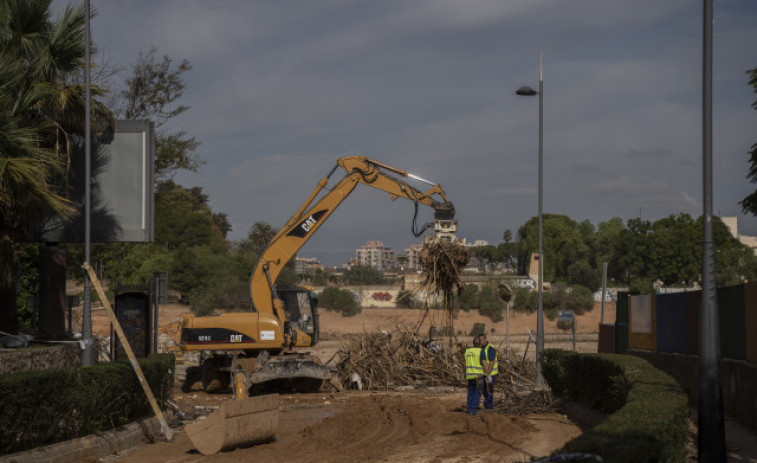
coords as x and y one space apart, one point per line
122 200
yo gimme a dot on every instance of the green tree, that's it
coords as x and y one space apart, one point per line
364 275
40 110
749 204
606 243
581 273
152 91
562 243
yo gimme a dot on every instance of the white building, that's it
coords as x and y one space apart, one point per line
733 226
375 254
413 253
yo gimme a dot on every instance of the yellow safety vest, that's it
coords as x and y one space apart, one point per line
473 366
495 368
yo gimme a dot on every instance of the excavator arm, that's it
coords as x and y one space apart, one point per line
314 212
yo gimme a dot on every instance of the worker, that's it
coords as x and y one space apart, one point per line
474 372
488 358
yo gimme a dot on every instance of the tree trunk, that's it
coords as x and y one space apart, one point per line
8 308
52 291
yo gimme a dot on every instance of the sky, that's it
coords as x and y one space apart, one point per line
280 90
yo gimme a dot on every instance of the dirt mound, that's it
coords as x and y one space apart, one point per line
405 428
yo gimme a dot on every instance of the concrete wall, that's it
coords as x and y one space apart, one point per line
738 379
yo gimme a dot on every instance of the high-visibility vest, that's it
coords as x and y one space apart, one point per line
473 366
495 368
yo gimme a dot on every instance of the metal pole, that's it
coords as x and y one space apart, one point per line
156 286
507 329
604 292
539 303
86 324
711 437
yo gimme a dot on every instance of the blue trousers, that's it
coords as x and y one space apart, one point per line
474 395
488 390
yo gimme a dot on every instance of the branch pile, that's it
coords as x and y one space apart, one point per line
382 361
442 262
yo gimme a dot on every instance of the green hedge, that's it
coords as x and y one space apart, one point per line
648 409
44 407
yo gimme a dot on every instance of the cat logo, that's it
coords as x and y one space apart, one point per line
308 223
306 226
236 338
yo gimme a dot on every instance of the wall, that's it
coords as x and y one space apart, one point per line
43 358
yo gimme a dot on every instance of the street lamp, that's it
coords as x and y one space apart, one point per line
528 91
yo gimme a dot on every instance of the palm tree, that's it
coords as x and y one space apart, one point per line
40 109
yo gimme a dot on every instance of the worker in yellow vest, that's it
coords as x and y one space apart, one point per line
488 358
474 372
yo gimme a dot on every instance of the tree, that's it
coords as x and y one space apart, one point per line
507 236
152 92
562 243
749 204
182 217
40 110
364 275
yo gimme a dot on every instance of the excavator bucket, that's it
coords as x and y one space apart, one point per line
237 423
296 372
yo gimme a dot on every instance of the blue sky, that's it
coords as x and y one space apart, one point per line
281 89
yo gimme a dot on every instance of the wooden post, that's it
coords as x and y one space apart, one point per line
132 359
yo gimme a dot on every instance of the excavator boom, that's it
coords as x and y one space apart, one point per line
283 319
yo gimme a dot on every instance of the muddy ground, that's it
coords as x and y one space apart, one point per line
359 426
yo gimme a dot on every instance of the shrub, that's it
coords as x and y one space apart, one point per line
524 300
580 300
339 300
45 407
489 304
649 409
469 297
406 300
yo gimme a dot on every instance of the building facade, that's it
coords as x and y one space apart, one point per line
375 254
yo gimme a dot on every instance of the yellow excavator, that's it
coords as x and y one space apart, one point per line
255 348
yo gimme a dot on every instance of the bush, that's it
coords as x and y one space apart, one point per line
339 300
406 300
45 407
489 304
649 409
524 300
580 300
469 297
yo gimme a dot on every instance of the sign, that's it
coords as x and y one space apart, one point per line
640 312
133 313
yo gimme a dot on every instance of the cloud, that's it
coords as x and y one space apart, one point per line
656 194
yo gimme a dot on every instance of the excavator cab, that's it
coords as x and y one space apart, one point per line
301 308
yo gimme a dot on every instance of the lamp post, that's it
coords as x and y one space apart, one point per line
528 91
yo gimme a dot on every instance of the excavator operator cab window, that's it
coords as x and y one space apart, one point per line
298 309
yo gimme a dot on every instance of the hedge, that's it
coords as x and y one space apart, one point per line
44 407
648 409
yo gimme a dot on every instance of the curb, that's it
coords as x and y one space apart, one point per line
90 447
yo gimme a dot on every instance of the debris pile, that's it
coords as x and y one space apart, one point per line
442 262
381 361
